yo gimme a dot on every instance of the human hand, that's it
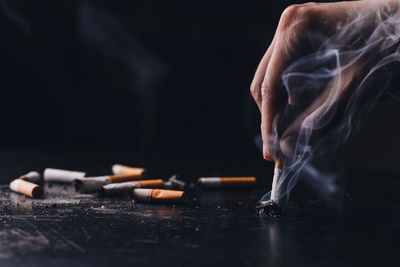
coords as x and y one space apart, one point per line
290 49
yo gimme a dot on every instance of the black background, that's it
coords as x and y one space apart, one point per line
156 76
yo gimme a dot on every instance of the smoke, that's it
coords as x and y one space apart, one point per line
14 15
333 90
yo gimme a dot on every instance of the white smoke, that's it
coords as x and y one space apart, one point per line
361 57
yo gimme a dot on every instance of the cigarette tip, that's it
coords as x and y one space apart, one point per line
269 208
115 168
101 192
78 184
37 192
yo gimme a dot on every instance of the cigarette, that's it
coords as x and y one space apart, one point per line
33 177
126 188
158 195
122 169
275 180
61 176
273 206
218 182
88 184
26 188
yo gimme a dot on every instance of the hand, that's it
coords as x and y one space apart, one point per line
292 43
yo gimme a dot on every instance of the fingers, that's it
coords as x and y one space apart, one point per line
271 93
255 88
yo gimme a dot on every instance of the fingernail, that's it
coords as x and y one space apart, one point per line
265 153
267 157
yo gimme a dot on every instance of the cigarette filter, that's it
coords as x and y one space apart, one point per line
87 184
120 178
126 188
122 169
158 195
61 176
33 177
26 188
218 182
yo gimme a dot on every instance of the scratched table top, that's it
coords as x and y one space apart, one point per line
211 228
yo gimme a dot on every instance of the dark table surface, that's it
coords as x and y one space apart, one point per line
213 228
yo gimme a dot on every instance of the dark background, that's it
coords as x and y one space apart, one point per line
157 78
85 84
154 76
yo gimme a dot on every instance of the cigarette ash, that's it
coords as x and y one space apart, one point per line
269 208
367 44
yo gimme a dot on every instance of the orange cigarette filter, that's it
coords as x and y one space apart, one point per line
158 183
278 164
122 169
158 195
120 178
216 182
26 188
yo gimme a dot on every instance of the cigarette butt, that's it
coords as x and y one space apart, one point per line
158 195
90 184
26 188
126 188
217 182
61 176
33 177
122 169
120 178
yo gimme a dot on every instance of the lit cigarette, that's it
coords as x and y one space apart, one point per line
126 188
61 176
158 195
218 182
87 184
33 177
26 188
122 169
275 180
273 206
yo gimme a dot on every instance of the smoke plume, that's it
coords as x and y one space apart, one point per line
334 88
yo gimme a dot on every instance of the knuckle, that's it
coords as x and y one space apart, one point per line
266 92
296 13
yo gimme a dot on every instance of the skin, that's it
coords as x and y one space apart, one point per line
266 87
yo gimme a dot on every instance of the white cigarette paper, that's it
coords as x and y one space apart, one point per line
126 188
275 182
33 177
61 176
95 183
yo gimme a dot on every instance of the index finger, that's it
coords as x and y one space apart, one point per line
271 94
